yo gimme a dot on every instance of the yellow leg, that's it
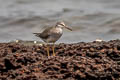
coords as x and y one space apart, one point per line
53 48
48 51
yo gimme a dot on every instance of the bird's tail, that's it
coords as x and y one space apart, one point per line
37 34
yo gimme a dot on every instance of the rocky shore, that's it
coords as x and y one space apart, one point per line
86 61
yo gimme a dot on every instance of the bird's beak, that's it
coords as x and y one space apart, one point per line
68 28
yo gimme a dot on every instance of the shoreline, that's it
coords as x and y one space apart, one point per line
91 60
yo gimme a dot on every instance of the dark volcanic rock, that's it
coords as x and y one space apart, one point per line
86 61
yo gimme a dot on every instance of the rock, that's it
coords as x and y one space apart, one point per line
86 61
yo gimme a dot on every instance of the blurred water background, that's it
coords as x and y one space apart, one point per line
89 19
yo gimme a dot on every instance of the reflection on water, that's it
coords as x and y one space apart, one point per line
90 19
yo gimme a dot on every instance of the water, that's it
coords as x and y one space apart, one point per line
89 19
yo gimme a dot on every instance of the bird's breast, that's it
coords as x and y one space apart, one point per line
58 30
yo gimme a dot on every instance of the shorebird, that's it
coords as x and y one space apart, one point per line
52 34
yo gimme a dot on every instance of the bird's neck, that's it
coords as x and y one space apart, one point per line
59 30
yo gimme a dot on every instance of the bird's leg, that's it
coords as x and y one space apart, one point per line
48 50
53 48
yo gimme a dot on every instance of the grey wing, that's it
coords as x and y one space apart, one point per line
46 33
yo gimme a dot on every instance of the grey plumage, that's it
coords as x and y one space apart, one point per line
52 34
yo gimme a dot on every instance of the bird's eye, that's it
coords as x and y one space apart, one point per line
62 24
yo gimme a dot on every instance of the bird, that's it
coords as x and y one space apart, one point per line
52 34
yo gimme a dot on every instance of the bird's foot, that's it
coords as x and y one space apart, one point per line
50 57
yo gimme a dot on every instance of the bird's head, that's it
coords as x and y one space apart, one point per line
62 25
